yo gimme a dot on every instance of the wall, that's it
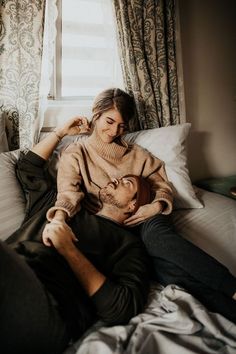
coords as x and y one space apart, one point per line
208 40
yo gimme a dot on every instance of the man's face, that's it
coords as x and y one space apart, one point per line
119 192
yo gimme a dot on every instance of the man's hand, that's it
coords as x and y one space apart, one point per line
59 235
143 213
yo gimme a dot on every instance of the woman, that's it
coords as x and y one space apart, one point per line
87 166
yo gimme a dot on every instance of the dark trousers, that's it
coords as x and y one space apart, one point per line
29 321
178 261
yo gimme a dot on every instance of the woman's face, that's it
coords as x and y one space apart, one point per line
110 125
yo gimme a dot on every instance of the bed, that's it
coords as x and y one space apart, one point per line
173 321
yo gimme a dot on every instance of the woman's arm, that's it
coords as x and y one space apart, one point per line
69 180
74 126
162 203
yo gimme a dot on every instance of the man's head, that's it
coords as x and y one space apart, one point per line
126 194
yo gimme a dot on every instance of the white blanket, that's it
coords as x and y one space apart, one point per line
173 322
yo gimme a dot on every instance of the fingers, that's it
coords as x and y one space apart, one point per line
74 238
81 121
47 242
45 237
57 234
133 220
80 125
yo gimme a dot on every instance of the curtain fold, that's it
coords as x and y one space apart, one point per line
21 41
146 33
48 56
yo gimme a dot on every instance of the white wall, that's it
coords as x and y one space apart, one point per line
208 40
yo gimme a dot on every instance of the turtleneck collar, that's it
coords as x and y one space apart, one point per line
110 151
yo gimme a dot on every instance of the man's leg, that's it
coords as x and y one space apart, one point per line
215 301
163 242
29 322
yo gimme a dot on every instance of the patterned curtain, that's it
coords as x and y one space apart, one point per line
21 37
146 32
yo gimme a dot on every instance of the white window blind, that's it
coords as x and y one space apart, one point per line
87 59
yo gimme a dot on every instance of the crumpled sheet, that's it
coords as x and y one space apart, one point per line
173 322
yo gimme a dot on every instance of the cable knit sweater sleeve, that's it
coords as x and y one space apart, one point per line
154 171
69 180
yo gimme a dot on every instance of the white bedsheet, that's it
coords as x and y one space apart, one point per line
212 228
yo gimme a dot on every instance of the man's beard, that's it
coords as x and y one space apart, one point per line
109 199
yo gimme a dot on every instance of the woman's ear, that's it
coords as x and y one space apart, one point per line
95 117
93 121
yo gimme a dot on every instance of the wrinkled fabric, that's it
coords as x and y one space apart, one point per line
173 322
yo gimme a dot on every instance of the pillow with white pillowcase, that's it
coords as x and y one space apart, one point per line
169 145
3 136
12 201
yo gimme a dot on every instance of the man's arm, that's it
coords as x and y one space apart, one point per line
36 182
119 295
63 239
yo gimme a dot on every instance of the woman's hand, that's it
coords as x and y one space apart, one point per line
74 126
143 213
59 235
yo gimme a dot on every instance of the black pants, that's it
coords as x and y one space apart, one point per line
29 321
178 261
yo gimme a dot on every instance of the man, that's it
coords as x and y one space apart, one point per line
94 269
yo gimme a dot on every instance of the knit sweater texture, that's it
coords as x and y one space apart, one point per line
85 167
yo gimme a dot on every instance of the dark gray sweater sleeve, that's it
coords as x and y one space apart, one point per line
37 184
124 293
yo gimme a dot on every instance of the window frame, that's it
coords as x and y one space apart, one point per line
55 93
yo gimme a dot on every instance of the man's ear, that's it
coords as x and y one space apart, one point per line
132 205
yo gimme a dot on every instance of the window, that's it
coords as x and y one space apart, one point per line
86 59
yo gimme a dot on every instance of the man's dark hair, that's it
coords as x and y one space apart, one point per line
143 195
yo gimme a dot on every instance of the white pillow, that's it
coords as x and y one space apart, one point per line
169 145
12 201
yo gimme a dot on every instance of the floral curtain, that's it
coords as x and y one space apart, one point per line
146 32
21 38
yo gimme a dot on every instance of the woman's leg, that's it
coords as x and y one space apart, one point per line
29 322
164 243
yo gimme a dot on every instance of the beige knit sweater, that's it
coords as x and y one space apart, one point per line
87 166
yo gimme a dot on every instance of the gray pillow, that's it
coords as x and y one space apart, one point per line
12 201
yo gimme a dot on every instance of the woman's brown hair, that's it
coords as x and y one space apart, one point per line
114 98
